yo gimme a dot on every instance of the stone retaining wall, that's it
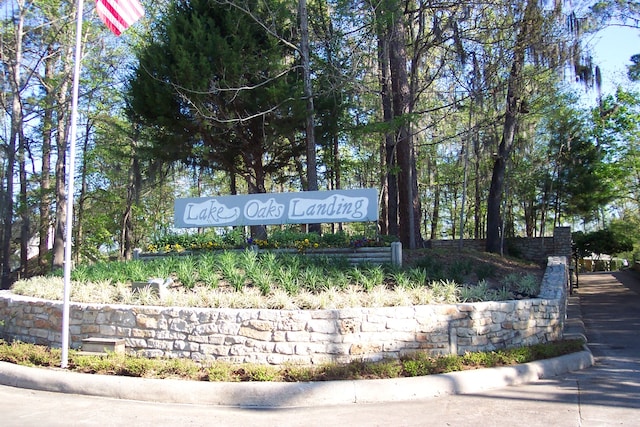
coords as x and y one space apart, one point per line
301 336
536 249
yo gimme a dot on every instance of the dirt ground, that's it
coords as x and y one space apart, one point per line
471 265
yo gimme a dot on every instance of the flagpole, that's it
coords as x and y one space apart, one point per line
70 185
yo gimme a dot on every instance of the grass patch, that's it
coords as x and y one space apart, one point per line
410 365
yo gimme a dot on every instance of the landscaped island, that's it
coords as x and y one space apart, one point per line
357 324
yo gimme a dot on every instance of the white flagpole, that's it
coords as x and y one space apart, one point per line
70 178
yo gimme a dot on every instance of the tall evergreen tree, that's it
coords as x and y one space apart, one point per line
220 91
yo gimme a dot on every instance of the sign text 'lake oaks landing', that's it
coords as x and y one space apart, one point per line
306 207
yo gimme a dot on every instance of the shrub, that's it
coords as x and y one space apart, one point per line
413 364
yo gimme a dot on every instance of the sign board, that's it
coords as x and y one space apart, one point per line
307 207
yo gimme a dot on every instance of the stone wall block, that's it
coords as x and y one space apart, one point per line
322 326
322 314
338 348
147 322
123 317
214 350
135 343
234 339
207 316
260 346
219 339
123 332
373 327
362 349
349 325
107 330
163 323
284 348
102 317
206 329
291 324
143 333
279 336
294 336
170 335
498 316
160 344
402 325
185 346
249 332
179 325
324 338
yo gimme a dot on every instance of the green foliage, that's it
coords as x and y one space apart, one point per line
413 364
433 269
633 70
605 241
259 373
209 81
485 271
475 293
418 364
217 371
134 366
459 269
29 354
294 274
524 284
190 241
278 239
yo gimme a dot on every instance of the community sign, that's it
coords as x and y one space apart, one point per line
307 207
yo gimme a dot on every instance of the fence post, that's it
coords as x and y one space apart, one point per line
396 254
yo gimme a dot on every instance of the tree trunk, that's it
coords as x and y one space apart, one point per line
255 183
390 187
514 93
24 205
133 191
435 216
15 83
477 191
45 178
409 227
62 101
312 168
79 231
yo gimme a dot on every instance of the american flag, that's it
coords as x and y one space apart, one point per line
118 15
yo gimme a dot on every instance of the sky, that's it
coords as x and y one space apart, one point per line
612 48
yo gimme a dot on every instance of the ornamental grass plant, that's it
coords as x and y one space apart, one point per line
246 279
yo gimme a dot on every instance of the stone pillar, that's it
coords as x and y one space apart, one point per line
562 242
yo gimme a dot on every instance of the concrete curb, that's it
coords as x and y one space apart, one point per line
270 394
